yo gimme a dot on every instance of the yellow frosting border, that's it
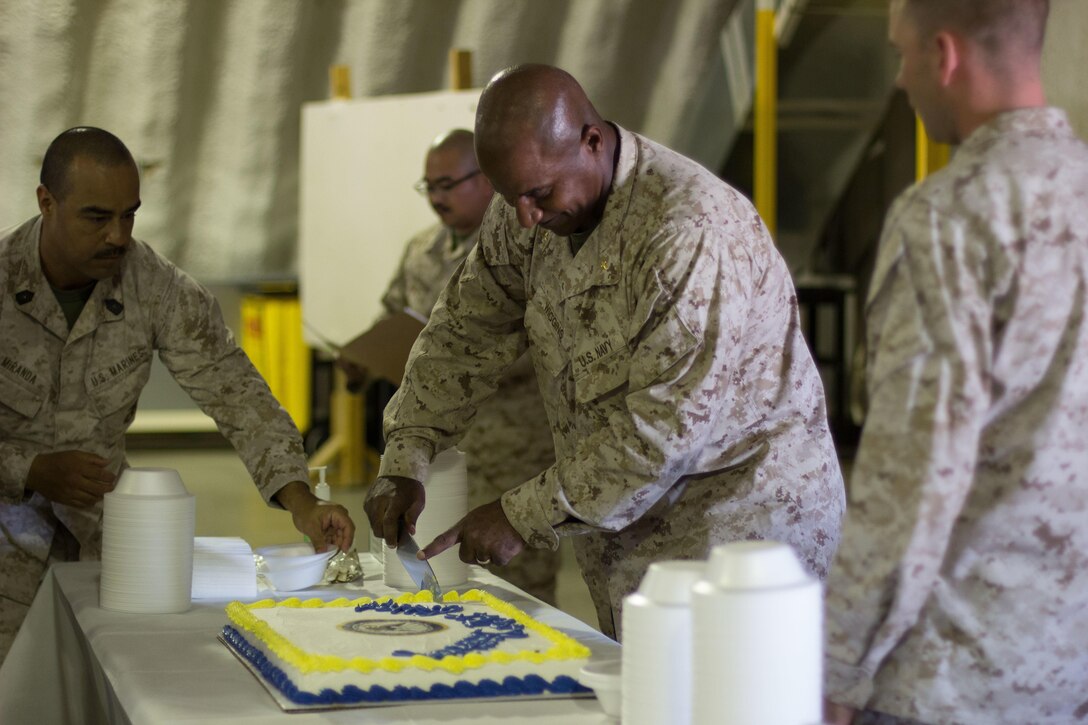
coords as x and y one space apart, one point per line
563 646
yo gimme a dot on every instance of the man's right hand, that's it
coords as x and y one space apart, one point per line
391 500
73 478
356 375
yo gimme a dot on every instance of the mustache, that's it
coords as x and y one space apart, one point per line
440 208
112 253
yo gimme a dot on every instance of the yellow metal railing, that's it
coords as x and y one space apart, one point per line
929 156
765 121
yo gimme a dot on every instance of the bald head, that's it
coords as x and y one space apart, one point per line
89 142
536 103
459 141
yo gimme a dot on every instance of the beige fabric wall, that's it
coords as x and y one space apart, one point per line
1065 60
207 93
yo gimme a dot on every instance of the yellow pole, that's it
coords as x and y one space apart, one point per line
340 82
345 446
766 117
460 69
929 156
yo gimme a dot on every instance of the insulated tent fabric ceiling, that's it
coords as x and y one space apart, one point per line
207 93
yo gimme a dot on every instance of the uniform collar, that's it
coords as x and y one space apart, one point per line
1044 120
28 280
463 247
597 264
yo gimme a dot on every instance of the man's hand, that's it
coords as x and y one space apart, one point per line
356 375
485 534
836 714
390 500
325 523
73 478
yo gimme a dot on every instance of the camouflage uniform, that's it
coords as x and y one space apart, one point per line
960 593
78 390
683 400
509 440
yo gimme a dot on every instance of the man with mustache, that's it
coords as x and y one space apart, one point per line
663 325
83 306
509 440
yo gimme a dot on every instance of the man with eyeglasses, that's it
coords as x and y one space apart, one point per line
509 440
83 306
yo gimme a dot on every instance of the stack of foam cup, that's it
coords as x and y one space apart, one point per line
147 543
657 641
447 503
757 654
377 548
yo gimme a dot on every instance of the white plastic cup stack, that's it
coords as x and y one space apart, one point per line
757 659
657 645
149 520
377 548
447 503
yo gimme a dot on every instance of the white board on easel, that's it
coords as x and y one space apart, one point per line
359 159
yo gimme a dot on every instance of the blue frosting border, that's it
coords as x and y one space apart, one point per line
511 686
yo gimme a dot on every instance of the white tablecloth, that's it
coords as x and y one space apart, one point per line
74 662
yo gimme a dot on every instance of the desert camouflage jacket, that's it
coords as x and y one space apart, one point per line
960 592
78 390
684 403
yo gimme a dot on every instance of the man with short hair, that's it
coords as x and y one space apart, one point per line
663 326
509 440
82 307
960 591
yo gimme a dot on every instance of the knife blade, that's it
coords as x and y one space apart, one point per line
418 569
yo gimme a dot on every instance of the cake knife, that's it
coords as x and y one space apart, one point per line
418 569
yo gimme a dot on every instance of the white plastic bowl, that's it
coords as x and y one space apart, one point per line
150 482
290 567
604 678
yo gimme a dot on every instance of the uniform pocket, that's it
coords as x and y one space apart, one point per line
670 341
601 369
545 337
19 399
117 386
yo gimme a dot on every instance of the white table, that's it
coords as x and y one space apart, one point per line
74 662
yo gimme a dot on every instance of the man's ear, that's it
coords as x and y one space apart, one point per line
592 137
950 56
46 202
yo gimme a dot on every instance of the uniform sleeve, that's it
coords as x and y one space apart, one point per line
16 468
694 292
395 298
199 350
928 382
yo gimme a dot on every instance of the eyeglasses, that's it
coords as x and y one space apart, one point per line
424 187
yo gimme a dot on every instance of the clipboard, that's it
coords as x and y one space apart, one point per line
383 349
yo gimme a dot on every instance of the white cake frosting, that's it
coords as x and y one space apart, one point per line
368 651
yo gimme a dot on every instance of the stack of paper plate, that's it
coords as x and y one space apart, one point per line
223 568
147 543
447 503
